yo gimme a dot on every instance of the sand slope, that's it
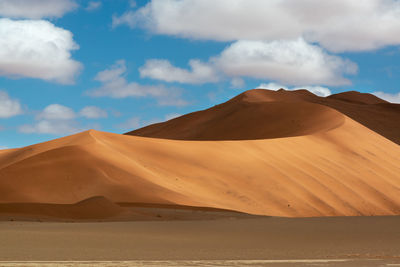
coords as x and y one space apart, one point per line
338 168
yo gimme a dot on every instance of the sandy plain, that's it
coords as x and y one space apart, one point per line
270 241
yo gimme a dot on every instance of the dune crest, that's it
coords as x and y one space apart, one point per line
357 97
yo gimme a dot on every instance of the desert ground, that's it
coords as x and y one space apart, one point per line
339 241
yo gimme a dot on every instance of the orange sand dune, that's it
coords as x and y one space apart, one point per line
338 167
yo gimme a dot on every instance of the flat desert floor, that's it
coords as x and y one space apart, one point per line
269 241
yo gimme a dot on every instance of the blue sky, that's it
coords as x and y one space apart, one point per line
115 65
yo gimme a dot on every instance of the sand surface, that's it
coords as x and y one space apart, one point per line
223 241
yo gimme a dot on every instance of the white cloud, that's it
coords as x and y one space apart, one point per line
37 49
293 62
93 112
237 83
116 86
93 5
56 112
130 124
59 119
172 116
132 3
393 98
51 127
318 90
3 147
35 9
339 25
135 122
160 69
9 107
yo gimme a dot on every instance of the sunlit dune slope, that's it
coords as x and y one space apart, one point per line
256 107
339 168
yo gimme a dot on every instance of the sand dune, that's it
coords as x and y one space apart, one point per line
357 97
335 168
247 121
257 107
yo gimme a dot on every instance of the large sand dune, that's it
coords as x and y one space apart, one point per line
313 161
267 108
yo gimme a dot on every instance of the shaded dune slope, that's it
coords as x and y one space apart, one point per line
244 120
92 208
357 97
341 169
259 115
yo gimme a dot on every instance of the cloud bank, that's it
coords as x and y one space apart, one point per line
60 119
36 9
338 26
115 85
292 62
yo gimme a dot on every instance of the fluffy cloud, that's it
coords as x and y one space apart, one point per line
293 62
237 83
318 90
393 98
130 124
35 9
51 127
37 49
116 86
57 112
54 119
135 122
93 5
9 107
339 25
59 119
92 112
163 70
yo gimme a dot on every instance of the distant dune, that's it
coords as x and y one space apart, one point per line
280 157
254 114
